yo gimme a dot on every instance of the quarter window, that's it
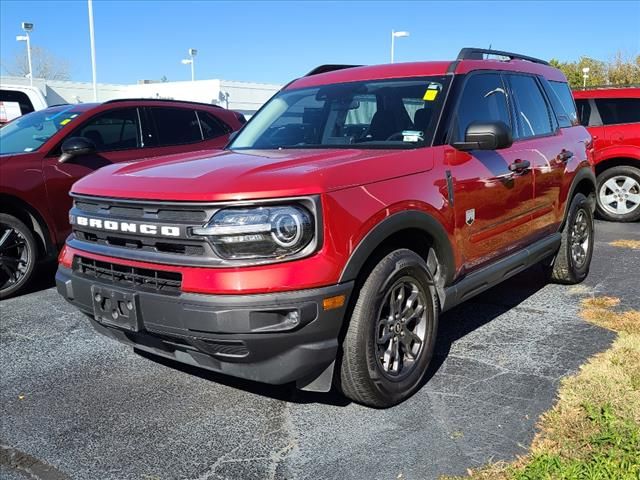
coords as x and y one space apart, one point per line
113 130
484 99
211 126
584 113
176 126
532 113
619 110
563 93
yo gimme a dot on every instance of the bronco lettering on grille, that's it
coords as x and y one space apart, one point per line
130 227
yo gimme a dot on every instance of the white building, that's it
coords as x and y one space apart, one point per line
245 97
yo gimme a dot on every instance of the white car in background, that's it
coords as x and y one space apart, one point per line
18 100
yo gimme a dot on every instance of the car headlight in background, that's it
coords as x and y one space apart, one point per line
270 231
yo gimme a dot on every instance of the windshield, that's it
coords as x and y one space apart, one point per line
399 113
28 133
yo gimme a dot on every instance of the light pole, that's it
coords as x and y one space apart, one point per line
93 51
395 35
585 75
27 28
191 61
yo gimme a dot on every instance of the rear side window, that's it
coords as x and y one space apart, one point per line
175 126
618 110
113 130
211 126
563 93
484 99
532 113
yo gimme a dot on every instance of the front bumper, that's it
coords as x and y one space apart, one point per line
247 336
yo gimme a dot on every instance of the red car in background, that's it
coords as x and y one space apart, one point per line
612 116
44 152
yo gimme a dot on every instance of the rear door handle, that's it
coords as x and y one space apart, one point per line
565 155
520 166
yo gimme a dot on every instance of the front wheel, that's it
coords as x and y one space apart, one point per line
619 194
18 251
571 263
391 335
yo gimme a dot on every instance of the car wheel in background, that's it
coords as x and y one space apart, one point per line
18 251
618 194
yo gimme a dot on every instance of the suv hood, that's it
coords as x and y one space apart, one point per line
250 174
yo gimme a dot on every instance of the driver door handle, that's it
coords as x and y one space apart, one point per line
520 166
565 156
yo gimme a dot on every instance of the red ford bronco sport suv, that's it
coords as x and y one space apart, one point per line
612 116
352 210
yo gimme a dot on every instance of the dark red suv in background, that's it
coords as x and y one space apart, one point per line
43 153
612 116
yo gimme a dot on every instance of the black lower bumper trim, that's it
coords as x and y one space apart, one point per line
273 338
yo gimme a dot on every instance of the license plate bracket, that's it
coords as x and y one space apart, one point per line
116 308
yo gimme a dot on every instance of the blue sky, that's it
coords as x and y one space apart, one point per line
276 41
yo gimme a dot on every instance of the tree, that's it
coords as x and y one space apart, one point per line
45 65
624 71
573 71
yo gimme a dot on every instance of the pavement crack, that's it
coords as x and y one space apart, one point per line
33 467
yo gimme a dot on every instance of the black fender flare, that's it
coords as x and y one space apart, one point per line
583 173
395 223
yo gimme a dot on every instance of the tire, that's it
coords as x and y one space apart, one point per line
618 194
367 372
18 254
571 263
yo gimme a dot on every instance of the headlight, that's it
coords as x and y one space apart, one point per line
260 232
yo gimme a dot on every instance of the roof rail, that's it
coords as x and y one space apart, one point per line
329 68
116 100
478 54
624 85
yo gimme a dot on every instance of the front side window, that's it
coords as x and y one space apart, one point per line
176 126
483 99
113 130
375 114
29 132
532 113
615 111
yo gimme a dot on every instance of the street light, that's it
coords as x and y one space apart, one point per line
92 39
191 61
395 35
585 75
27 28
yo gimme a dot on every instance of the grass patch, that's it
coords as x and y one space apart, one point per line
593 431
633 244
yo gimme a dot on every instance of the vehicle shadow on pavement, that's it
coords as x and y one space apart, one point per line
489 305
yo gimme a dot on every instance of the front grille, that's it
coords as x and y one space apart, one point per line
147 247
129 277
142 212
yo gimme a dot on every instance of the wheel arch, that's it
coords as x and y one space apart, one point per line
407 229
620 161
12 205
583 182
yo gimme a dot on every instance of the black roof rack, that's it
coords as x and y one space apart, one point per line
479 53
115 100
329 68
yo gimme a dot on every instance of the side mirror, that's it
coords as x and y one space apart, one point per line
486 136
75 147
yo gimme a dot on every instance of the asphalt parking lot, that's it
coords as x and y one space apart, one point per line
77 405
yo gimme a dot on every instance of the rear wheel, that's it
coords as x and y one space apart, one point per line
18 251
391 334
619 194
571 263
